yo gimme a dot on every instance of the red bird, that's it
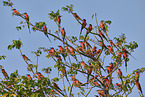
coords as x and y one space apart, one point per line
111 49
101 93
84 65
89 71
138 86
26 58
109 69
61 49
111 65
16 12
5 74
29 77
90 28
87 45
56 86
27 20
63 33
39 76
137 76
94 50
125 58
76 16
72 51
98 51
102 35
52 50
45 32
59 20
101 25
120 74
82 45
83 25
119 85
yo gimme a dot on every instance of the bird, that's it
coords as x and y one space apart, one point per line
45 32
16 12
137 76
39 76
63 34
82 45
26 58
83 25
27 19
125 58
29 77
5 74
56 86
89 71
138 86
120 74
76 16
110 49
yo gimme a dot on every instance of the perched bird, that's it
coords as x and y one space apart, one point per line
125 58
137 76
84 65
101 93
94 50
119 85
83 25
110 49
73 78
101 25
45 32
63 34
27 20
29 77
82 45
5 74
87 45
52 50
89 29
109 69
138 86
16 12
102 35
61 49
77 83
26 58
120 74
89 71
111 65
56 86
39 76
76 16
98 51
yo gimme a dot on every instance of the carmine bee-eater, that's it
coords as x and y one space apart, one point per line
89 29
138 86
29 77
63 34
98 51
94 50
110 49
102 35
89 71
58 19
83 25
26 58
67 49
101 25
27 20
82 45
16 12
61 49
87 45
125 58
111 66
107 82
102 45
84 65
39 76
120 74
76 16
73 78
77 83
56 86
52 50
96 83
5 74
72 51
45 32
109 69
101 93
119 85
137 76
63 70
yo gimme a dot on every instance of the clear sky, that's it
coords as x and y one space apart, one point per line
127 16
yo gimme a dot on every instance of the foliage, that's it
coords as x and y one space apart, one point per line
77 56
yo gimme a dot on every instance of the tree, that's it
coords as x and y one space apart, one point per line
78 55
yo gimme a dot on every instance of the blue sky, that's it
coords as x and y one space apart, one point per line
127 16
